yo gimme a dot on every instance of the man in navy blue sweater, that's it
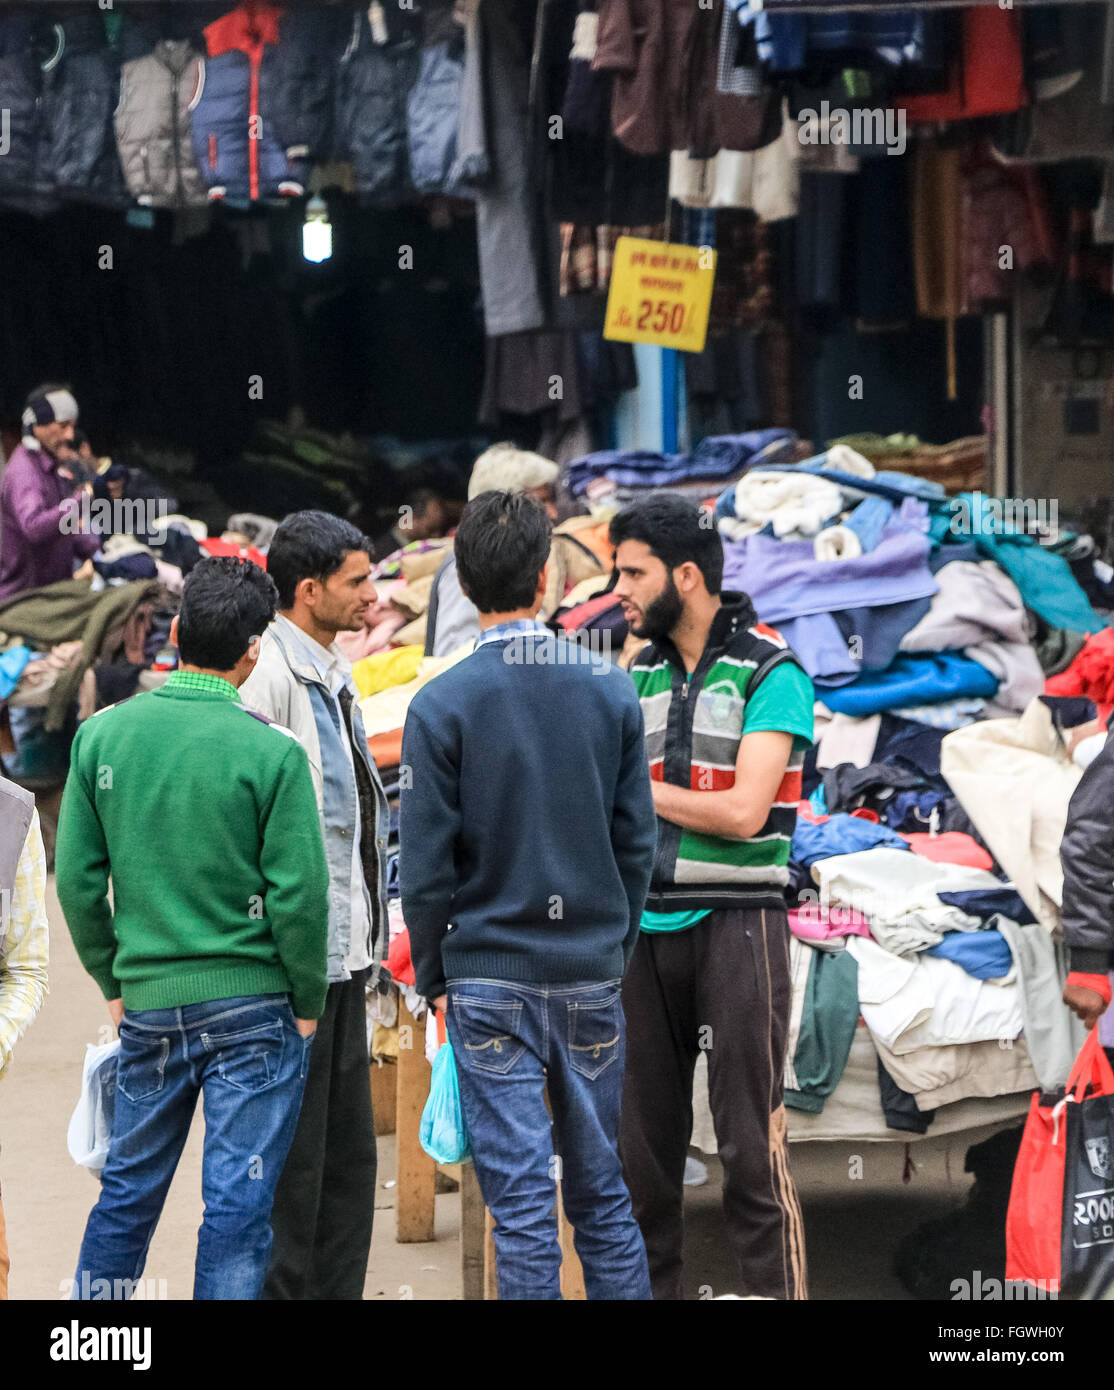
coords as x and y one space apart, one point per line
526 844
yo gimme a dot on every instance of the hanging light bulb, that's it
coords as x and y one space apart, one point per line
317 234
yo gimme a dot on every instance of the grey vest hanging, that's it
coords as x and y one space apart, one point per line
153 127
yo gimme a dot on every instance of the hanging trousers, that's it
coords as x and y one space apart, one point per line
722 987
325 1200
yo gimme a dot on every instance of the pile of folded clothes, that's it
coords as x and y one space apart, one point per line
950 655
619 474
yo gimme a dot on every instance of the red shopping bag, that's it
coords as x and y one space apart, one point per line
1034 1222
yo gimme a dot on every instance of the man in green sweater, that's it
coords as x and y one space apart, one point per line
212 953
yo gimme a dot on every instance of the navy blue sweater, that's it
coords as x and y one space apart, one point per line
527 821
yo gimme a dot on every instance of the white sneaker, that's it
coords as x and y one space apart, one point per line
696 1173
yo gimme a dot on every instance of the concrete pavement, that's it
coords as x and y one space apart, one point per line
851 1228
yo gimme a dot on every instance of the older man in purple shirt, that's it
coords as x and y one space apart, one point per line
36 545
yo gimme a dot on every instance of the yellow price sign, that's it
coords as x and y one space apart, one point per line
660 293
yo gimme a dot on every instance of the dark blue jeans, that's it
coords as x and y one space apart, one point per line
511 1042
248 1061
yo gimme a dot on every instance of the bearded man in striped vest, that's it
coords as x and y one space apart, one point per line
728 717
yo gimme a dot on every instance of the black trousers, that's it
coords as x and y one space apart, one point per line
723 987
325 1199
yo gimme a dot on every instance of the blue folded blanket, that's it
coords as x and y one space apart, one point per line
840 834
718 456
983 954
913 678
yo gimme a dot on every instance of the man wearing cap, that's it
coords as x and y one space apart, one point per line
452 619
36 494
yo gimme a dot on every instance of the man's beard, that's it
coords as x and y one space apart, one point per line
343 623
663 615
338 620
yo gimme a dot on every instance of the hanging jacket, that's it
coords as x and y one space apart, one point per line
988 77
377 70
304 81
235 131
433 110
154 126
27 48
80 92
1076 121
473 162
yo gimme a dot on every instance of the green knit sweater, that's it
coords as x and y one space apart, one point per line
203 815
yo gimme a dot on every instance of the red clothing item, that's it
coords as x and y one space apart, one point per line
584 612
1001 207
1090 674
248 28
952 847
987 80
1099 983
398 959
386 749
213 545
250 25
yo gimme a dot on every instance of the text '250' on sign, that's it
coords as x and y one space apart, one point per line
660 293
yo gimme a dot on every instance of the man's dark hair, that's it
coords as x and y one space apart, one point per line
420 499
501 546
671 526
310 545
225 603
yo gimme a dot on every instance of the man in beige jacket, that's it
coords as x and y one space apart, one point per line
23 934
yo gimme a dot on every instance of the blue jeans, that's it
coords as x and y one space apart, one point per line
248 1061
511 1042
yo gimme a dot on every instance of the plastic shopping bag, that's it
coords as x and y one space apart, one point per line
90 1126
1087 1256
1033 1221
1045 1245
443 1133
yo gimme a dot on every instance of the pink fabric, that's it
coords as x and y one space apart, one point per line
805 812
381 622
952 847
368 641
815 923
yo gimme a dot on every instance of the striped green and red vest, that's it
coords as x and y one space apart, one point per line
693 728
